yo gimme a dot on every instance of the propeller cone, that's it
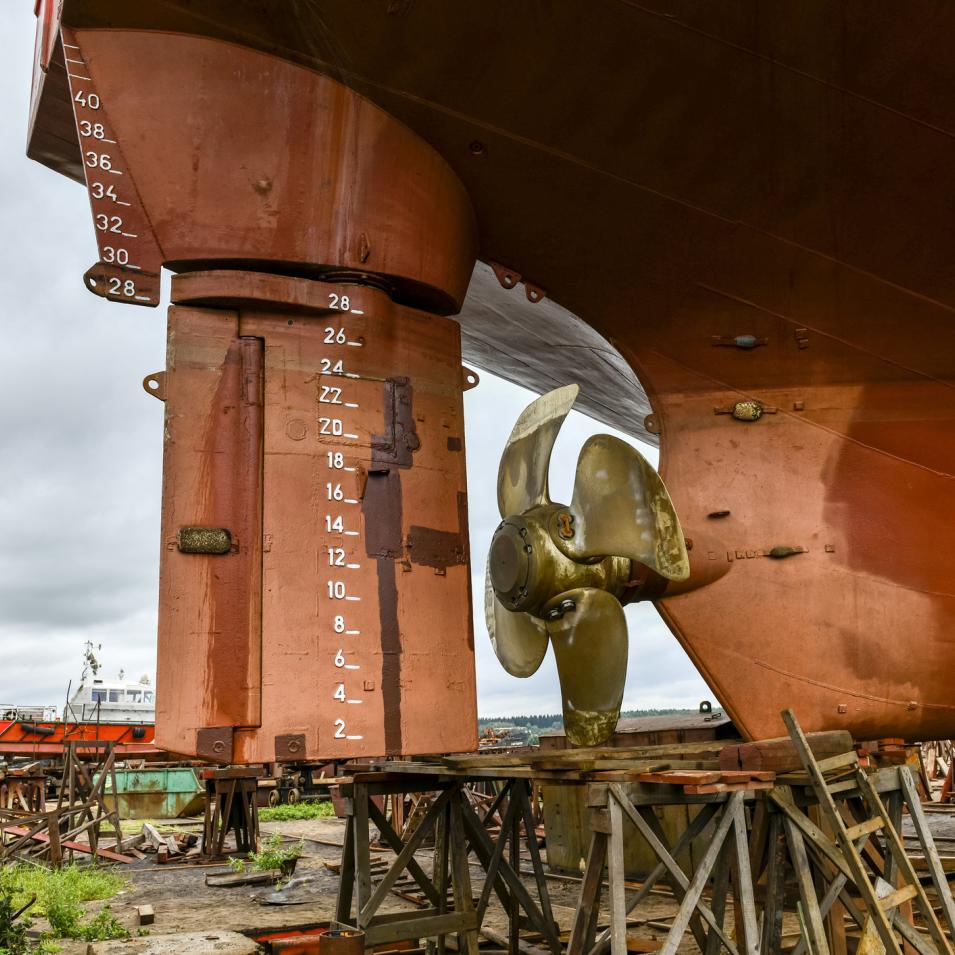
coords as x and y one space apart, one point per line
522 477
621 507
590 645
519 640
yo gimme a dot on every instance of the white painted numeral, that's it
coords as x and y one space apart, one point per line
119 287
96 130
332 336
340 658
107 223
339 693
336 460
336 556
336 590
330 395
103 192
334 523
89 100
334 492
339 624
339 729
99 161
335 368
330 425
119 256
339 302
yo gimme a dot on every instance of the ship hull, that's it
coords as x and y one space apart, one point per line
675 180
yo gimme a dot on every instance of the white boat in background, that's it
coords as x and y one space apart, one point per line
112 701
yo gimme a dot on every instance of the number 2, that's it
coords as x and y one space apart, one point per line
339 729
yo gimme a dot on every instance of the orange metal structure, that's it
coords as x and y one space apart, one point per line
746 208
42 740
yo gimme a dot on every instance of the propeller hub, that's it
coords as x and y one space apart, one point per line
527 568
510 562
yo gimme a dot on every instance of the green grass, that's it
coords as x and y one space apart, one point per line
60 894
301 810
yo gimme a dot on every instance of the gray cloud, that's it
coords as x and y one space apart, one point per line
81 446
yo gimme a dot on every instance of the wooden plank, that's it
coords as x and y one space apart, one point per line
742 775
461 878
413 925
346 881
721 880
681 777
864 828
75 846
812 915
775 889
617 880
589 900
726 788
899 896
840 761
746 904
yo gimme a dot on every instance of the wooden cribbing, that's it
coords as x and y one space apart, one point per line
780 755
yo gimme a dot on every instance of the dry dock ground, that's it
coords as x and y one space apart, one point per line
182 901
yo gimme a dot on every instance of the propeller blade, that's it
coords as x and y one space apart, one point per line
621 508
519 640
522 477
590 644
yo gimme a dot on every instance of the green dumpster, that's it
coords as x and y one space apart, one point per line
157 793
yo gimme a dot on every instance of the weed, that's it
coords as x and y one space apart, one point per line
60 894
13 927
273 855
300 810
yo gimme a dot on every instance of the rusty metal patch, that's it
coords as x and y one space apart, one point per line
204 540
401 439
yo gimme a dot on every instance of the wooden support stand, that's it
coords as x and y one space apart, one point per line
230 806
458 831
833 830
726 857
82 809
807 858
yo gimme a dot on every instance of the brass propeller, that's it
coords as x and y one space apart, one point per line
560 572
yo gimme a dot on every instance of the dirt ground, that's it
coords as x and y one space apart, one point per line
183 902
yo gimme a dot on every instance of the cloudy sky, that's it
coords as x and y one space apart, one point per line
81 449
